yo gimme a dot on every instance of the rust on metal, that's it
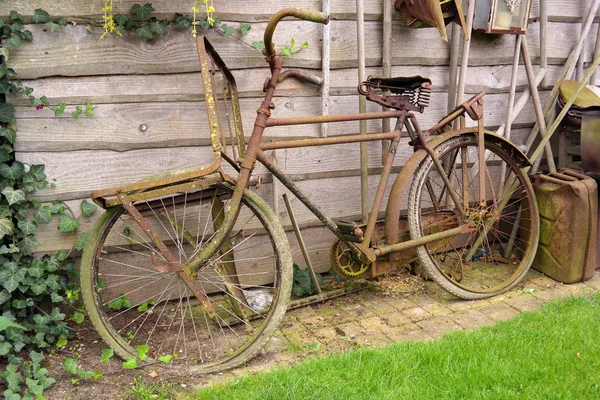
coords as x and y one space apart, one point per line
319 119
162 247
301 76
98 196
342 139
409 94
460 230
209 95
167 190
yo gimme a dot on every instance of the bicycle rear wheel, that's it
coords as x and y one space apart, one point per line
494 257
145 313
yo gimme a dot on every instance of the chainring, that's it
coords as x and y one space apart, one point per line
344 263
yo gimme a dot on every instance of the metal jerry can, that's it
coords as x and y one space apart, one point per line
568 206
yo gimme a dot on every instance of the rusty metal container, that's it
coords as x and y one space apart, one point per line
568 206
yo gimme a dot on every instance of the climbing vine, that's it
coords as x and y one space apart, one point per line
31 286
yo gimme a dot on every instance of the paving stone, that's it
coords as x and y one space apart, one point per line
421 299
525 303
479 303
396 319
302 312
437 309
398 333
373 325
438 326
416 314
401 303
595 281
379 307
471 319
351 329
459 305
575 289
300 338
415 334
499 311
315 321
326 334
327 310
548 294
277 343
291 324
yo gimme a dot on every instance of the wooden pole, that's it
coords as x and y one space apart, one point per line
581 60
454 47
543 38
387 68
325 66
537 103
362 108
567 70
596 54
464 58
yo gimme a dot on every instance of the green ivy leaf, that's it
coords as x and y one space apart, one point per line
4 297
143 307
57 207
228 29
107 355
9 134
37 171
258 45
11 276
158 28
145 32
85 374
13 196
59 109
142 12
120 19
78 317
27 227
5 211
70 365
61 22
38 287
7 227
34 387
14 171
27 244
56 298
87 208
119 303
19 303
56 315
245 28
15 15
40 16
62 342
5 153
286 52
142 350
89 109
13 41
305 45
131 363
80 244
7 112
36 270
27 35
166 358
78 110
17 26
43 215
52 282
5 348
68 223
52 26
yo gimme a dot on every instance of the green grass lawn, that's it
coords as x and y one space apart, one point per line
552 354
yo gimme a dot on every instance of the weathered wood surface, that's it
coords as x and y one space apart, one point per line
558 10
74 51
118 126
188 86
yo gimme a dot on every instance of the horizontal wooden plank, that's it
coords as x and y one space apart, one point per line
79 172
75 52
188 86
123 127
238 11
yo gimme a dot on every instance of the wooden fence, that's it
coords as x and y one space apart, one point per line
147 95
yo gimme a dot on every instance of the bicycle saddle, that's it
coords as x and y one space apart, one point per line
401 93
399 84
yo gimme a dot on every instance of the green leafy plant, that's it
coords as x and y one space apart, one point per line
28 378
303 284
70 365
107 354
119 303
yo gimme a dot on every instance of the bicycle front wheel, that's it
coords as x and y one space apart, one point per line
498 253
152 315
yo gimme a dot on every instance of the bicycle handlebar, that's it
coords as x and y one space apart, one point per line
302 13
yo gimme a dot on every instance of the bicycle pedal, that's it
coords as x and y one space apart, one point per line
350 230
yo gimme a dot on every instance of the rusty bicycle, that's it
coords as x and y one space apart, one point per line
190 267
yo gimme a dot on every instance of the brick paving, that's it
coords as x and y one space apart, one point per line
370 318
